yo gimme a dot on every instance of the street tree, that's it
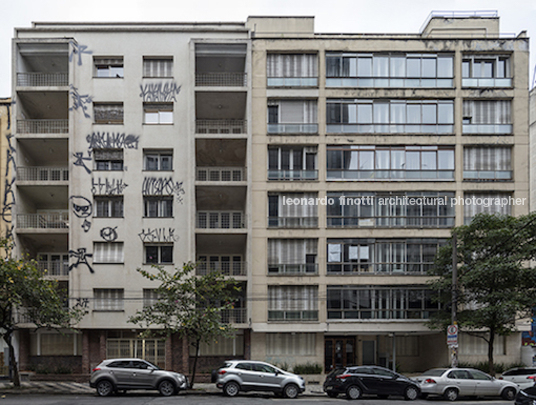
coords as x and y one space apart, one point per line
27 297
188 305
496 281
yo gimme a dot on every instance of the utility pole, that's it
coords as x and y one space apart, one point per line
454 348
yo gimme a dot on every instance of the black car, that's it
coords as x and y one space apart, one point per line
526 396
358 380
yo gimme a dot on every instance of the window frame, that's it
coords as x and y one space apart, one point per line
159 253
160 59
113 65
109 202
159 155
162 112
107 112
108 164
161 203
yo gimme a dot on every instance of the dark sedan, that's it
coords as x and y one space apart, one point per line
526 396
359 380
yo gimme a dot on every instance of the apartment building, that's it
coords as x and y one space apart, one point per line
318 170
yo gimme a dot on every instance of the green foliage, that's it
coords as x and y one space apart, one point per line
496 281
283 366
307 368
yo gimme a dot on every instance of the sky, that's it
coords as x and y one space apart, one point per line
331 16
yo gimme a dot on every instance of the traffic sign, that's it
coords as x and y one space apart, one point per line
452 335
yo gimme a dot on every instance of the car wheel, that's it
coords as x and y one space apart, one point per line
291 391
508 394
333 394
166 388
231 389
105 388
411 393
353 392
451 394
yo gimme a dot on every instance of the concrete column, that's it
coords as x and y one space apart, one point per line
85 352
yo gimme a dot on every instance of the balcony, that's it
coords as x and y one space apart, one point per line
47 220
221 127
35 79
221 79
293 128
292 82
46 174
221 174
235 315
292 315
234 268
53 268
50 126
371 82
299 269
293 222
489 175
394 175
404 129
486 82
292 174
221 220
486 129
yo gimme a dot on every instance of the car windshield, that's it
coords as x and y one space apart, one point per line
435 372
152 365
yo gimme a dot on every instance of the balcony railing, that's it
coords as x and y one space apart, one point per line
487 82
293 128
231 79
292 82
299 269
389 82
353 268
225 268
425 129
292 174
221 220
487 129
487 175
49 220
235 315
42 79
221 127
42 173
390 175
221 174
293 222
42 126
53 268
392 222
292 315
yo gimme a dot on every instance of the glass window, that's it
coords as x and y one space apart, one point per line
157 67
158 113
157 160
158 254
108 67
364 67
108 113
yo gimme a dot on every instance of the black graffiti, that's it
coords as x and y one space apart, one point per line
9 192
80 161
162 186
81 303
160 91
78 49
80 101
109 234
158 235
81 258
82 208
113 140
107 186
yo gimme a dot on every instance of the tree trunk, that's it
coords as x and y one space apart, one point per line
197 342
12 359
490 352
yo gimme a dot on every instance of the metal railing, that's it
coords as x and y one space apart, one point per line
283 315
459 14
487 175
486 82
354 128
235 315
293 128
53 268
292 174
306 269
292 82
353 268
293 222
221 174
380 314
417 82
48 220
390 174
226 268
221 127
221 220
486 129
42 126
224 79
42 79
42 173
391 222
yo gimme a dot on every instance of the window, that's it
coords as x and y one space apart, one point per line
487 117
108 299
379 302
397 209
292 256
487 163
150 297
292 303
109 207
56 344
293 210
155 160
225 346
228 265
390 162
390 116
486 71
292 70
292 163
108 67
292 117
158 254
108 159
152 350
158 113
290 344
108 252
158 207
108 113
157 67
53 264
486 202
473 345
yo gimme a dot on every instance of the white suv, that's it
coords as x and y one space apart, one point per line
525 377
246 375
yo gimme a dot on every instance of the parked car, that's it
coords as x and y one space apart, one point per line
135 374
452 383
358 380
246 375
526 396
522 376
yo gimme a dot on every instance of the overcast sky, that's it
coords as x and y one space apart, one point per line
348 16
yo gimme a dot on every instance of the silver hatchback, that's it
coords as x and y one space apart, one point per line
134 374
246 375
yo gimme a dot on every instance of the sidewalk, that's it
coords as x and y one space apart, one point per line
72 388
